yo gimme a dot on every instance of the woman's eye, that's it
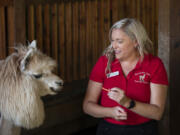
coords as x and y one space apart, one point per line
119 42
38 76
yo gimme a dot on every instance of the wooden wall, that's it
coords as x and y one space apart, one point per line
71 31
6 27
74 32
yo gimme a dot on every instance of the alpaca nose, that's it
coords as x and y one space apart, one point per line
60 83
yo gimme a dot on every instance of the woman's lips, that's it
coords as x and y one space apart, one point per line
117 52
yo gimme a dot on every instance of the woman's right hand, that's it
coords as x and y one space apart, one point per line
118 113
91 106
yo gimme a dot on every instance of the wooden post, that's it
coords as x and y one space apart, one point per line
163 53
169 51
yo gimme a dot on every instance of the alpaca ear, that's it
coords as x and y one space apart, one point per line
25 61
33 45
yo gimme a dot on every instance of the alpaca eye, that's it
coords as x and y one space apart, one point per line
37 76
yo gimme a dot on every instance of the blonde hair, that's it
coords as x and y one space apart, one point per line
136 31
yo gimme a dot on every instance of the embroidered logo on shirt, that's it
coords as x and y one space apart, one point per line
143 77
112 74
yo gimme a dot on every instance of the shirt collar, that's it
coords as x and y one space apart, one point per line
139 63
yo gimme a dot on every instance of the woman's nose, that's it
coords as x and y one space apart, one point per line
114 45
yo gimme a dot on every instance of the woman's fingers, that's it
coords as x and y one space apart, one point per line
121 110
114 95
120 114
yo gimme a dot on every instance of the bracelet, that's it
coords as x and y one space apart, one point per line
132 104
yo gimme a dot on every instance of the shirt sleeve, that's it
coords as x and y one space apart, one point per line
98 71
159 74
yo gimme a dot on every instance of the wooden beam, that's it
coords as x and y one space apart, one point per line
169 51
174 46
4 3
163 53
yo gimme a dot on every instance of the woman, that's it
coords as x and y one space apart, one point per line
131 82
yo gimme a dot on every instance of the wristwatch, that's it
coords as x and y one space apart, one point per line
132 104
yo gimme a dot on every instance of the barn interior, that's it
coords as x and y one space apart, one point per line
75 33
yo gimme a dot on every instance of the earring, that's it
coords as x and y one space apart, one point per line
136 46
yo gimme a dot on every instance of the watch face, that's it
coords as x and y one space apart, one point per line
132 104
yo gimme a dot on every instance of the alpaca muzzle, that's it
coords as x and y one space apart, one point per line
59 85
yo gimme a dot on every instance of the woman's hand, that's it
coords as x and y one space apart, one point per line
118 113
119 96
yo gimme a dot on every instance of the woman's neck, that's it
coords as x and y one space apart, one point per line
134 58
129 64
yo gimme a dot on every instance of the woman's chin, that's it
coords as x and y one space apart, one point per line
117 56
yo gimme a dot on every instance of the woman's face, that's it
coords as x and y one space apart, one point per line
122 44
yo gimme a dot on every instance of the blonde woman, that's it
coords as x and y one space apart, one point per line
130 82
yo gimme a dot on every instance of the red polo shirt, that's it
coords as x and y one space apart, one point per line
136 85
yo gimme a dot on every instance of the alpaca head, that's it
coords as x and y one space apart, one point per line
39 68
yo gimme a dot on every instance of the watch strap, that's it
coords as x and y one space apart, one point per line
132 104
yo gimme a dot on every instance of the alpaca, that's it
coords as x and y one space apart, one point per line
142 77
26 75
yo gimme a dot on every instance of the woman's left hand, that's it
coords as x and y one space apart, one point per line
118 95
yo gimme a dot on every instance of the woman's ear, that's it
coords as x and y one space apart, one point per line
135 44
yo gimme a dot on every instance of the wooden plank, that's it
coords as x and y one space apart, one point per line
43 2
167 123
68 28
156 26
2 33
30 19
76 31
88 37
148 13
141 11
114 11
82 42
138 9
39 27
95 31
121 12
106 23
61 30
144 13
46 31
133 3
152 22
10 28
20 21
54 37
150 18
4 3
101 40
127 8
